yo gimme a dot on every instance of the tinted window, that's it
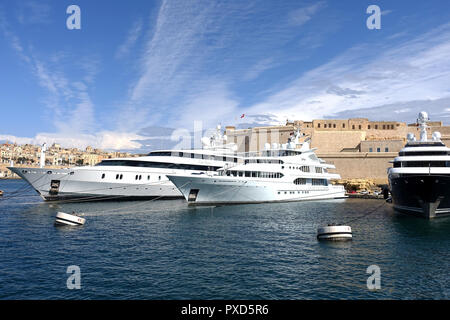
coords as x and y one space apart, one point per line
151 164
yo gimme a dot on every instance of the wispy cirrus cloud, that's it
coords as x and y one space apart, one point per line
302 15
34 12
130 41
202 46
259 68
67 102
366 77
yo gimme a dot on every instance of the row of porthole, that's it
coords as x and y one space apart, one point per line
138 177
293 192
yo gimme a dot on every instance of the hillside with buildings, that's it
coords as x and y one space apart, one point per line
28 155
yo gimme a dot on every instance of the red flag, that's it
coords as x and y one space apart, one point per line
243 115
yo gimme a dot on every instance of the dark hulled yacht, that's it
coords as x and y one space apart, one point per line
420 178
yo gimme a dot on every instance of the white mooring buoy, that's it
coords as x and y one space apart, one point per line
334 233
65 219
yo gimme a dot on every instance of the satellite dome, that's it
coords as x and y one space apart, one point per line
423 116
436 136
410 137
206 141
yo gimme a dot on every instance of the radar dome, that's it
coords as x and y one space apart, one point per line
410 137
423 116
205 141
436 136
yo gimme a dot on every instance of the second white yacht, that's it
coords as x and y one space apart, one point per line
290 173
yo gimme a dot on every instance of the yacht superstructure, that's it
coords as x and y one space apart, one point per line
420 178
130 178
290 173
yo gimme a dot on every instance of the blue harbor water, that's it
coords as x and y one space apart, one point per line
165 250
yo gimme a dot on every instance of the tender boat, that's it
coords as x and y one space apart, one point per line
65 219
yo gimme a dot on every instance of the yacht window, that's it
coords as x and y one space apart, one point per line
148 177
425 164
152 164
318 170
121 176
425 153
300 181
240 173
159 177
117 176
247 173
305 168
319 182
103 176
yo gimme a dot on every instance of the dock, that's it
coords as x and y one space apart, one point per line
365 196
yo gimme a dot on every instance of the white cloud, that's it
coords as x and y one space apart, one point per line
418 69
32 12
259 68
106 140
214 104
131 39
302 15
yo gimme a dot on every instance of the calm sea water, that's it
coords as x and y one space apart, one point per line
165 250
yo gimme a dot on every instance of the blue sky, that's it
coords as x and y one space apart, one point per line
136 69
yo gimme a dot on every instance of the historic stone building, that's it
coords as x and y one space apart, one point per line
358 147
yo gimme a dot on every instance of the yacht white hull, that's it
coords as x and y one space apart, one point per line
226 190
87 184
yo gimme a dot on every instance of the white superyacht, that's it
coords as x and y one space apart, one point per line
290 173
130 178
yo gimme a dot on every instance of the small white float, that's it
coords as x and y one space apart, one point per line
65 219
334 232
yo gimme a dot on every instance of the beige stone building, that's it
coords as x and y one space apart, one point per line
359 148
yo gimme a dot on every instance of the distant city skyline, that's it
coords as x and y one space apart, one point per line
136 69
